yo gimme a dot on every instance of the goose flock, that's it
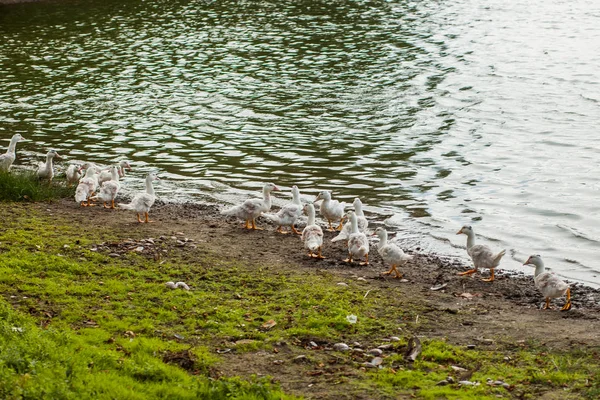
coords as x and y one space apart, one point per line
102 185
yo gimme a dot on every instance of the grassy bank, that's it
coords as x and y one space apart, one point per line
86 314
24 185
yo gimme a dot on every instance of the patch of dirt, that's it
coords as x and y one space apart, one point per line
466 311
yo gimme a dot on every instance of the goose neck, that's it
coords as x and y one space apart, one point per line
354 223
149 186
311 216
470 239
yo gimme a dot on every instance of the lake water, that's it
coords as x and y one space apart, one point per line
435 113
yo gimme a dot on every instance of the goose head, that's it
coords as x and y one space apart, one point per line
52 154
324 195
466 230
534 261
270 187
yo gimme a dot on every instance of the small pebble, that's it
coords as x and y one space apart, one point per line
342 284
368 365
395 339
341 347
470 346
182 285
375 352
299 358
377 361
171 285
114 255
313 345
385 347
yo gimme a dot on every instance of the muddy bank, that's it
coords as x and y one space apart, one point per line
463 308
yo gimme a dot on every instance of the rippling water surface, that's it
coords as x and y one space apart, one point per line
435 113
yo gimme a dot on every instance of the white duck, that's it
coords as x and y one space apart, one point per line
73 174
106 174
46 170
312 234
549 284
250 209
7 159
480 254
331 210
289 213
87 186
109 189
363 223
391 253
142 202
358 244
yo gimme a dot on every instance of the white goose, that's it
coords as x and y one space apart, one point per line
363 222
250 209
109 189
87 186
106 174
549 284
289 213
73 174
142 202
481 255
331 210
358 244
46 170
312 234
391 253
7 159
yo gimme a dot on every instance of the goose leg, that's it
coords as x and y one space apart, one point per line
398 274
390 271
113 204
139 219
281 230
147 217
469 272
320 256
330 229
367 260
83 204
349 259
247 224
105 206
547 305
567 305
90 203
254 226
296 231
491 278
341 225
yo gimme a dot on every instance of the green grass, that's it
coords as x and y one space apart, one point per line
25 186
53 363
68 314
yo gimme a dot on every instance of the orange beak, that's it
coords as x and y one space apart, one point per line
459 232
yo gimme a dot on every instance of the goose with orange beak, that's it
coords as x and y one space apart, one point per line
481 255
550 285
